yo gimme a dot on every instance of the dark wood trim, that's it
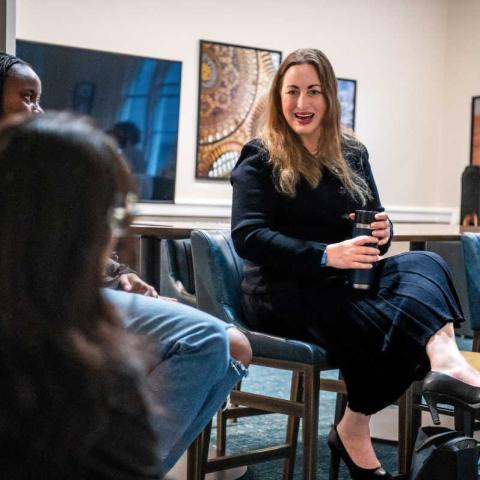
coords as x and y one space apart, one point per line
310 423
248 458
332 385
293 424
476 341
268 404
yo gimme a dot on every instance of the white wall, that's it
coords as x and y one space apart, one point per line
462 82
394 48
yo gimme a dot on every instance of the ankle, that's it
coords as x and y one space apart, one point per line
354 424
346 430
359 448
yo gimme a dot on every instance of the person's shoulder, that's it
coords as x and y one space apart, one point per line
254 155
352 145
255 148
353 150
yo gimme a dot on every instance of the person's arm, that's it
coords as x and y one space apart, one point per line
254 197
121 277
253 204
113 272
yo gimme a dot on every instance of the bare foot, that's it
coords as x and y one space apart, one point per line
445 357
461 371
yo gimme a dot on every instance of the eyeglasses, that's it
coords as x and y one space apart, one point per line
122 216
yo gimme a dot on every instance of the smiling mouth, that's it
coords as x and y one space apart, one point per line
304 118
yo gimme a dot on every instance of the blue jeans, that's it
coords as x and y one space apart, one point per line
194 371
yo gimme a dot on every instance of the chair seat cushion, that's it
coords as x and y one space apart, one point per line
270 346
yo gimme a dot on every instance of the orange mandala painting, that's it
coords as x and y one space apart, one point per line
234 82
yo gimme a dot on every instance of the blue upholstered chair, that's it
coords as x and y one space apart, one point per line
471 254
176 271
218 274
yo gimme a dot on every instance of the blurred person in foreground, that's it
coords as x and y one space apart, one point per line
197 358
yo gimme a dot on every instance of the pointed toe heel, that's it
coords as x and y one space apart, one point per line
441 388
357 473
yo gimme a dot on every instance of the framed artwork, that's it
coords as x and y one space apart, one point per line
233 85
475 135
347 93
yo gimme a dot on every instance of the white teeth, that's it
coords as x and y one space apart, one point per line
304 115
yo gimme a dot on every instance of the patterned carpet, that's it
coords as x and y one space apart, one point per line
268 430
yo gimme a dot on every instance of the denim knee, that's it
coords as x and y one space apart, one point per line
208 341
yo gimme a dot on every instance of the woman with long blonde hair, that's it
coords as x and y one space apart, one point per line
295 191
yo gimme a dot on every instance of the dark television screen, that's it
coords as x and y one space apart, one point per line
136 99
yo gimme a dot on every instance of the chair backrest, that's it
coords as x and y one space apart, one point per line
471 253
176 271
218 274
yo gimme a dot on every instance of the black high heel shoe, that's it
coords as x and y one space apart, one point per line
357 473
441 388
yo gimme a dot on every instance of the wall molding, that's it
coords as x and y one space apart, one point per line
404 214
221 210
191 208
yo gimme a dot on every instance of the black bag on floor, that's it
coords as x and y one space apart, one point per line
444 454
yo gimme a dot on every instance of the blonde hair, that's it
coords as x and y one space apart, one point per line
290 159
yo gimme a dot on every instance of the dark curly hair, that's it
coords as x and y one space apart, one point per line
7 61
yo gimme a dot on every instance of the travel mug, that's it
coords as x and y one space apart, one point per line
362 279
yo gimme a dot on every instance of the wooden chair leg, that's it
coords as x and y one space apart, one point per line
197 455
476 341
409 421
222 427
296 395
203 454
310 422
221 433
464 421
238 386
340 406
193 459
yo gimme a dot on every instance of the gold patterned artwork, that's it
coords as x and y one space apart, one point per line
234 82
475 147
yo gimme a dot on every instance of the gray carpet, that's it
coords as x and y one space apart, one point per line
268 430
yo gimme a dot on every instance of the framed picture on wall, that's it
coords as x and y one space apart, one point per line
233 85
475 133
347 94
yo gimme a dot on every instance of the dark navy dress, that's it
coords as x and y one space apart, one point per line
378 338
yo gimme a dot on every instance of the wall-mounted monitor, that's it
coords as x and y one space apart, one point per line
135 99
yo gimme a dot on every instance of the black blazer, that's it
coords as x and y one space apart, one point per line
283 238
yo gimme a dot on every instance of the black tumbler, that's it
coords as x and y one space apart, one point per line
362 279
